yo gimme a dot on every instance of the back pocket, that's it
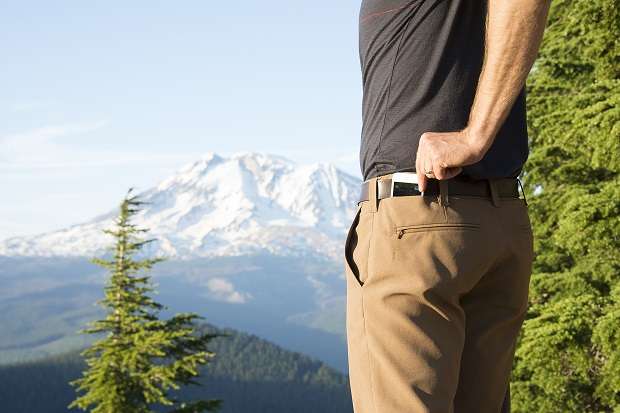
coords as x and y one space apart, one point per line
405 229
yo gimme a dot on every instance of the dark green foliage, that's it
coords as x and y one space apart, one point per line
249 373
568 359
140 359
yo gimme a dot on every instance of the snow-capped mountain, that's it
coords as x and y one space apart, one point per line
244 204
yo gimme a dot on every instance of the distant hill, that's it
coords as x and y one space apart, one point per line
249 374
296 303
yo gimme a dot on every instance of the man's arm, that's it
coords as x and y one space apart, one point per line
514 31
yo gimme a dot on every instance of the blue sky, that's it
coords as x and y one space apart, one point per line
98 96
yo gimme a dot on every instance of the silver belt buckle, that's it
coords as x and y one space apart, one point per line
405 183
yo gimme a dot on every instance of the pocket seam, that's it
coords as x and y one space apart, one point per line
400 230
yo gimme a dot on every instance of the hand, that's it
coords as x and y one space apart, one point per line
442 155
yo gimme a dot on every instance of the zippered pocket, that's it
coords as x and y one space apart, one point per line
404 229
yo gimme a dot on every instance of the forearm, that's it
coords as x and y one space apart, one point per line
513 35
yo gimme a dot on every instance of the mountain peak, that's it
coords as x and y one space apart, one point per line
246 203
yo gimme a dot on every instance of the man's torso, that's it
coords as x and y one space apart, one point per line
420 64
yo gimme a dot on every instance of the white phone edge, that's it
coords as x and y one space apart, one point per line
409 177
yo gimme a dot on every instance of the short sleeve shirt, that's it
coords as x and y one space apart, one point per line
420 63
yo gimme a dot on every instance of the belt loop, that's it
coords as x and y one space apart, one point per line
493 190
522 191
443 193
372 194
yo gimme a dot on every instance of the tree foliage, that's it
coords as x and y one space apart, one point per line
568 359
141 358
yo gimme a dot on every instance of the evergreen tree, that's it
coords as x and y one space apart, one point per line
141 358
568 359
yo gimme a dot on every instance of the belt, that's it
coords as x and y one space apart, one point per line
506 187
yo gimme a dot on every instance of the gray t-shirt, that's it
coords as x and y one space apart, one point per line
420 64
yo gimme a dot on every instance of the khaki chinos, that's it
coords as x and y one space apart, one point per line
437 291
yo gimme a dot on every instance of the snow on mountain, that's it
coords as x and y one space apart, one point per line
244 204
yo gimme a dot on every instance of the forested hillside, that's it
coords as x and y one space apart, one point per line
569 357
249 374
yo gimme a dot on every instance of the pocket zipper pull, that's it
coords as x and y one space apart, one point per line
401 233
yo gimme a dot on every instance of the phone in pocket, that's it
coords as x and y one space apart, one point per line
405 183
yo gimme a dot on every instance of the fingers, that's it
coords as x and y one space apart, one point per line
452 172
419 169
438 170
429 161
442 171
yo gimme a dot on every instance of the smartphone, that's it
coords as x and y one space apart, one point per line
405 183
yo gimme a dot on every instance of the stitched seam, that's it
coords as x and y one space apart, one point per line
380 13
370 367
387 98
411 231
501 197
372 227
436 226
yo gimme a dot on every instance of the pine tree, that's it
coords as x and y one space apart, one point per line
141 359
568 359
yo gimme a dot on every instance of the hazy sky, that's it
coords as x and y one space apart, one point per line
97 96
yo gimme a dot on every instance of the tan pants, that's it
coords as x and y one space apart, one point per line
436 296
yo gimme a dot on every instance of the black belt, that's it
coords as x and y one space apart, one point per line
506 188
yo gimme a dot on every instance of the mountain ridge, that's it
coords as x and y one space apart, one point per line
244 204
